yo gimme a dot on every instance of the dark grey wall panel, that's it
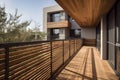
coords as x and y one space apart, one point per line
118 35
111 37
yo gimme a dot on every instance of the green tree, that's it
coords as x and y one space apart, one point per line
12 29
35 34
16 29
3 22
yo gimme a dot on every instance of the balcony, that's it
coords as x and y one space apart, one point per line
87 65
61 24
39 60
46 60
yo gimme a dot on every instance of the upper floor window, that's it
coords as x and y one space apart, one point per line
56 17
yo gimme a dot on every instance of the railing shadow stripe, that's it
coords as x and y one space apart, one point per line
85 62
94 74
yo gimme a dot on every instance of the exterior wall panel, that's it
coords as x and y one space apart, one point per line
118 36
61 24
46 18
111 37
88 33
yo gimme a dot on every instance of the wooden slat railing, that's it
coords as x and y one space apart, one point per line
38 60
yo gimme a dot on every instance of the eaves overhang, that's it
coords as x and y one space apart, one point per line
87 13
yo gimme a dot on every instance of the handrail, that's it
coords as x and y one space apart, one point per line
29 43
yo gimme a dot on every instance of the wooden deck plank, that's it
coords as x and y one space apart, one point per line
87 65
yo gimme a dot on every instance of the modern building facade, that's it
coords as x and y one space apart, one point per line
98 23
55 23
59 25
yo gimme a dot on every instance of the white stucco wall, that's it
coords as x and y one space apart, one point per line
88 33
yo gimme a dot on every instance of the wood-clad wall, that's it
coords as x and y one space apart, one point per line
61 24
89 42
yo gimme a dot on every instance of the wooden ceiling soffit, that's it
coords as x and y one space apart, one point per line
86 13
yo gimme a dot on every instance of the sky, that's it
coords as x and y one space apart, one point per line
30 9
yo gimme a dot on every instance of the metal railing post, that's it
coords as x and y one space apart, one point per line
63 51
6 62
51 73
69 48
74 46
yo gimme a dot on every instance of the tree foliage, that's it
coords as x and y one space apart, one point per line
12 29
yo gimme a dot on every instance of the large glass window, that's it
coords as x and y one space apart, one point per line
57 16
55 34
118 36
111 37
75 33
118 23
58 33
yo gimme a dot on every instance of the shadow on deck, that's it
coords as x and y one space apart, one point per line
87 65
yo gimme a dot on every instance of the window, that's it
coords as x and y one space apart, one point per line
57 16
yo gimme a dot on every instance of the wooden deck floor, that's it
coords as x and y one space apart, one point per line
87 65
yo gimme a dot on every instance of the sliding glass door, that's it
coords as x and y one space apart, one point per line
111 37
118 37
